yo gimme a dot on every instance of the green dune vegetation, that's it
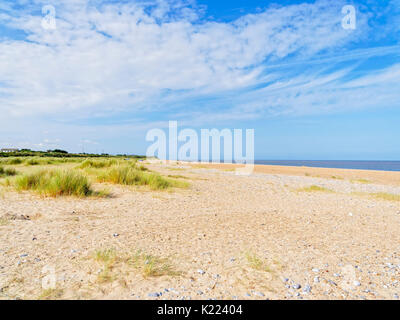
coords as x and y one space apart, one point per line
75 176
130 175
103 163
55 183
7 172
314 188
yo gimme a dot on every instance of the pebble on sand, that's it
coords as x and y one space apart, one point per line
155 294
307 288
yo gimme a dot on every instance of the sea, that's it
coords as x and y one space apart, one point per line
341 164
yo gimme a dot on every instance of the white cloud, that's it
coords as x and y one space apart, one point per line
113 57
107 60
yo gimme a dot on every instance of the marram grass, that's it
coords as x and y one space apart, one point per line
387 196
8 172
128 175
97 164
38 161
55 183
314 188
12 161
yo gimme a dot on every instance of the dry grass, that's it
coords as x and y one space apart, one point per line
4 221
153 266
379 195
314 188
51 294
257 263
386 196
2 192
148 265
108 259
362 181
177 176
200 166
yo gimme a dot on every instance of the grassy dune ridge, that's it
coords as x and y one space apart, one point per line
49 179
37 161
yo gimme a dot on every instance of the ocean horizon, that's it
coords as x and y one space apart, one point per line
337 164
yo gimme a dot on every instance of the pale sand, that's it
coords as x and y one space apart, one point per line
213 226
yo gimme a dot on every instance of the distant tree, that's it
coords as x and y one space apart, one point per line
58 151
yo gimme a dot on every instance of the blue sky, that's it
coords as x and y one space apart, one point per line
112 70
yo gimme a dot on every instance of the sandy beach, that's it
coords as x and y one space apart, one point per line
280 233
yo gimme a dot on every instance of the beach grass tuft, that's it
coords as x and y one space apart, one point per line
8 172
51 294
55 183
173 176
152 266
148 265
362 181
98 164
129 175
387 196
257 263
108 259
314 188
4 221
379 195
32 162
11 161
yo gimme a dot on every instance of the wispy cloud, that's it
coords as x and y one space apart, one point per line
109 59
